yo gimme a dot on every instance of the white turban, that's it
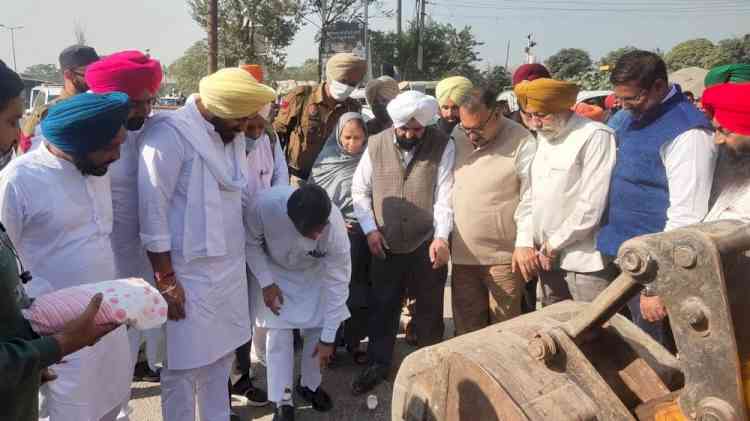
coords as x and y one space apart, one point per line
413 104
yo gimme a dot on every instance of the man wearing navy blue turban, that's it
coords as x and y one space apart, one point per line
56 205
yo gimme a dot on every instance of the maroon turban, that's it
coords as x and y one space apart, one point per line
131 72
530 72
729 103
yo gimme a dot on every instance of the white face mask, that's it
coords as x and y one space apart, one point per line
339 91
265 112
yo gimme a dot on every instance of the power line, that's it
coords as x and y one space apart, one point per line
710 11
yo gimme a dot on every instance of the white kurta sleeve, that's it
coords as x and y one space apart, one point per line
336 273
443 207
690 161
160 162
257 258
523 214
598 160
280 176
362 194
14 214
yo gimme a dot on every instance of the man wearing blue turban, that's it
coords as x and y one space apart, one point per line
56 205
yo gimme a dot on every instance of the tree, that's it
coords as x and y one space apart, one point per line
568 63
447 52
46 72
307 71
611 58
252 31
731 50
592 80
498 78
188 70
698 52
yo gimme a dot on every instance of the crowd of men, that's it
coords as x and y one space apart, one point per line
322 223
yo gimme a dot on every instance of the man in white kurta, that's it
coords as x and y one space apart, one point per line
60 220
267 167
191 179
139 76
569 184
309 269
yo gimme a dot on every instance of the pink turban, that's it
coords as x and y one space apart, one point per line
131 72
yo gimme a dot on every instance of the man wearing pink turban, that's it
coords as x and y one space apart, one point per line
139 76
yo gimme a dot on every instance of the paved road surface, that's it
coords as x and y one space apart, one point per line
336 381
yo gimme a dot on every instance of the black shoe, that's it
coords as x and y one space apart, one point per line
256 396
242 385
143 373
372 376
234 417
319 399
284 413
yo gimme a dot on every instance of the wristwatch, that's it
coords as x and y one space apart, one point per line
648 291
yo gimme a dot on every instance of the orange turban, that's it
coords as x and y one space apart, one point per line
589 111
255 71
546 95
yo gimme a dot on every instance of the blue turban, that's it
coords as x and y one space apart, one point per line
85 122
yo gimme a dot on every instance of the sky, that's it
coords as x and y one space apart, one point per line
597 26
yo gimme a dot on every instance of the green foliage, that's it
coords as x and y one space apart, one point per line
307 71
568 62
611 58
498 78
46 72
698 52
447 51
188 70
253 31
592 80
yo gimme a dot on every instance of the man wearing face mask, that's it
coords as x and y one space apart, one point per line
192 186
402 191
298 250
664 171
568 195
492 174
73 63
308 115
729 106
139 76
450 93
56 206
379 92
267 168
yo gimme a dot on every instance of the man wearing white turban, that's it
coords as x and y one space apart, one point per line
192 185
402 193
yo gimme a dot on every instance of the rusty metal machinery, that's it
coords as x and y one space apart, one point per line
578 361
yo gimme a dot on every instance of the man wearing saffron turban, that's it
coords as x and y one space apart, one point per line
56 206
568 195
192 181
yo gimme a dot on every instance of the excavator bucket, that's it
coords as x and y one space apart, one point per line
585 361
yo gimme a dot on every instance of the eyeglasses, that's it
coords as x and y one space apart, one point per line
468 131
631 99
